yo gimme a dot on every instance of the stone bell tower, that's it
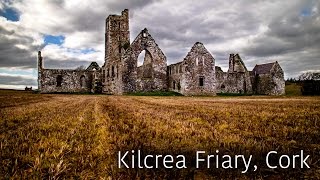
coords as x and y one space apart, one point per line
117 41
117 36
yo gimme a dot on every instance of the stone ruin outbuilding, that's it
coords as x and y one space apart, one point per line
196 74
68 80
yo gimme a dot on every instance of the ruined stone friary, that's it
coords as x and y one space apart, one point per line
196 74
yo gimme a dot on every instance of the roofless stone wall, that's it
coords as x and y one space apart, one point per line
196 74
62 80
152 75
236 79
67 80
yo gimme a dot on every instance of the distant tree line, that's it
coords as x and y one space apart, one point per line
309 82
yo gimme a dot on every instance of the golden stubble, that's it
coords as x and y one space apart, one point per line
77 136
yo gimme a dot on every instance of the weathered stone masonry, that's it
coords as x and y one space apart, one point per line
196 74
117 41
236 79
268 79
152 75
67 80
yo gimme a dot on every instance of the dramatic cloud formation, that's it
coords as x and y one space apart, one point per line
71 33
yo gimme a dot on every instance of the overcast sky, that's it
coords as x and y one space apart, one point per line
70 33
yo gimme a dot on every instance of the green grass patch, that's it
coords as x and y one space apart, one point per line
233 94
293 89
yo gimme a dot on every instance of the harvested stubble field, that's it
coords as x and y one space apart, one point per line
78 136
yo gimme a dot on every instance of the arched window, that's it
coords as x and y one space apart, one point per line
145 60
223 86
83 81
59 80
174 85
141 58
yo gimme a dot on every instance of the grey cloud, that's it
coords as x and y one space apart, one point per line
17 80
303 31
90 20
12 56
296 62
183 30
131 4
267 46
291 38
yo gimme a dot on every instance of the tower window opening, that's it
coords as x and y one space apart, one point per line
112 71
103 75
82 81
59 80
117 71
201 81
144 34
